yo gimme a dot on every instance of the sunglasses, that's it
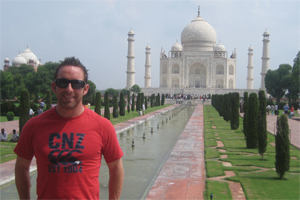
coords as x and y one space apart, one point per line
63 83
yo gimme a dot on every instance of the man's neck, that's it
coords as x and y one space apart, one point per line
68 113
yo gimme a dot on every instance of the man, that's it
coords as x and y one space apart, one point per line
68 142
15 136
3 135
31 113
40 111
286 109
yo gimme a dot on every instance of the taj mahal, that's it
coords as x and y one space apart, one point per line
198 65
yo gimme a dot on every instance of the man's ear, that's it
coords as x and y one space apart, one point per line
86 89
53 86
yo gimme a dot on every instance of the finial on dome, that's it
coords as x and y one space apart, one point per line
27 46
198 11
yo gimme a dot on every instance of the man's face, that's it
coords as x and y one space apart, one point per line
70 98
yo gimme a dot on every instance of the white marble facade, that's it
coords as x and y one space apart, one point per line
198 62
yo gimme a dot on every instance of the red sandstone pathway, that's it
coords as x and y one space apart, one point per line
183 174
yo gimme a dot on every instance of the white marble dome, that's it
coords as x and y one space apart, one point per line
19 60
219 47
198 36
131 32
27 54
176 47
148 47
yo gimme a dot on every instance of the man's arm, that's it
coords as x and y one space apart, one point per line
116 177
22 177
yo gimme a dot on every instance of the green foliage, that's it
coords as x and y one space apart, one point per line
163 99
90 95
158 100
252 121
125 92
142 100
10 116
234 105
122 104
112 92
24 109
282 146
115 107
128 103
135 89
262 124
245 113
152 100
106 109
98 103
226 107
48 100
146 103
278 81
7 107
133 102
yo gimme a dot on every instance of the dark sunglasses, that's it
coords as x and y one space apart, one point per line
63 83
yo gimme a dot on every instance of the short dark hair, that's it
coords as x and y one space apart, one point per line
74 62
14 131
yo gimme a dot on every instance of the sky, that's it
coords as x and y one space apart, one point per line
96 33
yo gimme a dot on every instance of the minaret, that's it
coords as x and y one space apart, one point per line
250 69
130 61
6 64
147 68
265 59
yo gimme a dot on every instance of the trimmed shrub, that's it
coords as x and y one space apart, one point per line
262 124
106 109
282 163
128 103
252 121
24 109
245 113
146 103
133 102
138 102
235 114
163 99
10 116
115 107
226 107
98 103
122 104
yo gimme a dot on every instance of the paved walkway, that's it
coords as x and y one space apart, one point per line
183 174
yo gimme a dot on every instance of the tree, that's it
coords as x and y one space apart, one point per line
133 102
48 100
90 95
278 81
152 100
122 104
158 100
125 92
115 107
282 146
24 109
135 89
226 107
252 121
245 114
146 103
138 102
235 115
112 92
163 99
262 124
296 69
98 103
106 109
128 103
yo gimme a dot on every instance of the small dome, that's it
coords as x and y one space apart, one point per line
219 47
19 60
176 47
266 33
148 47
198 35
27 54
6 59
250 48
131 32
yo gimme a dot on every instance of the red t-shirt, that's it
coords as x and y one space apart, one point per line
68 153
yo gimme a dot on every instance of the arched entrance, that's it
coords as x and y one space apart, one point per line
197 76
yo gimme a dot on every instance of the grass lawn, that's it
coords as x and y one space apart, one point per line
257 177
4 118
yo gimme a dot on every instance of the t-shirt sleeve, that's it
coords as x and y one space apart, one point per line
112 150
24 147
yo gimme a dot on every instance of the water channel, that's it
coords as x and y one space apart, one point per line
143 162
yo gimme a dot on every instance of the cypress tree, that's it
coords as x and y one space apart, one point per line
245 114
128 103
24 109
142 100
133 102
282 163
115 107
235 115
106 109
226 107
151 101
229 106
98 103
122 104
158 99
138 102
146 103
48 100
252 121
163 99
262 124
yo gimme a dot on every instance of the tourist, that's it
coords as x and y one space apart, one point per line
276 109
68 142
3 135
286 109
292 111
40 111
268 109
272 109
15 136
31 113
